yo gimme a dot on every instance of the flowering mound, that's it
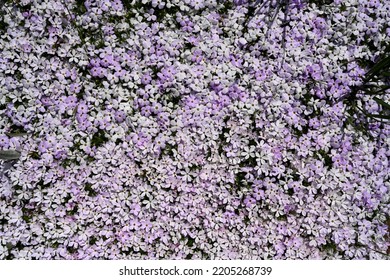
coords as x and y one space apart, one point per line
172 129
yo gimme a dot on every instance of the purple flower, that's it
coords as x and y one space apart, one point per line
71 102
120 116
4 141
146 79
43 146
146 111
237 62
107 60
197 56
82 108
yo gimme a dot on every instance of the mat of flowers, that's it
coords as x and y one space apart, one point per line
192 129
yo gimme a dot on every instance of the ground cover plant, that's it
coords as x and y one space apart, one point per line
194 129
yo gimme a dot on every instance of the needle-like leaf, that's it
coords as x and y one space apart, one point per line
17 134
382 103
9 155
378 68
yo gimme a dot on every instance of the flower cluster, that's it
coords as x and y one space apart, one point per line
190 129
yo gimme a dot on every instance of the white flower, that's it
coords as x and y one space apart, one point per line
249 152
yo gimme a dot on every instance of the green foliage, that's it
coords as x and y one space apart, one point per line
329 246
34 155
92 240
282 218
16 129
9 155
226 7
326 158
73 211
168 150
190 241
3 24
99 138
320 2
79 7
88 188
376 85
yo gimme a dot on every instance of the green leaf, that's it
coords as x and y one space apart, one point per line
9 155
16 134
377 91
378 116
377 68
382 103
